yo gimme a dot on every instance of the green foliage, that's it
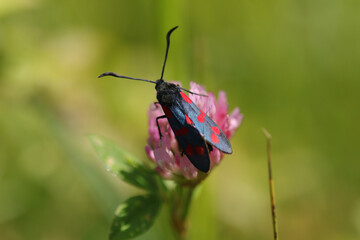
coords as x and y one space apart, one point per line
135 216
124 164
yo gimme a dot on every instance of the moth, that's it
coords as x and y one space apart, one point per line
195 132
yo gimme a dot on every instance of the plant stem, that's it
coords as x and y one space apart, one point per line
180 209
271 185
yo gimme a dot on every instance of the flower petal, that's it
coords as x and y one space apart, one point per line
200 101
164 173
234 120
164 158
210 107
221 107
187 168
150 153
215 157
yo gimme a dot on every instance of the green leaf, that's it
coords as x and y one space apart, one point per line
124 164
134 217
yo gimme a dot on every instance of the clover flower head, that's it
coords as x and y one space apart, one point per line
165 152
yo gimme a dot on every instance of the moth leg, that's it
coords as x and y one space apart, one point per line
157 123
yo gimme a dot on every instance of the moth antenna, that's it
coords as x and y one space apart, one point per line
203 95
120 76
167 49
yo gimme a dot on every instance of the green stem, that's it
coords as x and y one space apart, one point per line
187 200
180 209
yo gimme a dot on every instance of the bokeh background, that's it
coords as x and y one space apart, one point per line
291 66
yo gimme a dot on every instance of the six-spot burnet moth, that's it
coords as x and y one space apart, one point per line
195 132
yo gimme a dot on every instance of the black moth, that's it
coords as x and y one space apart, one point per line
195 132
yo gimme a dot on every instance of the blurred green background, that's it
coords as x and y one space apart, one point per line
291 66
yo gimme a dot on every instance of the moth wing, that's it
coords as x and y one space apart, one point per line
191 142
206 126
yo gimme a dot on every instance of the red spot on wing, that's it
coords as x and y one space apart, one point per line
216 130
201 117
189 150
186 98
214 138
176 132
188 120
167 111
199 150
183 131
